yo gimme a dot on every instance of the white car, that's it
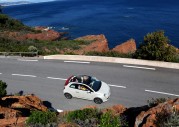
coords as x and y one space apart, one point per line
86 87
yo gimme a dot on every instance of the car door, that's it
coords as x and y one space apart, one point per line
86 93
73 89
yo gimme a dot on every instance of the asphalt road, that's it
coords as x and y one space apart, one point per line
130 85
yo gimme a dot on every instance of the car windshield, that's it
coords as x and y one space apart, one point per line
95 84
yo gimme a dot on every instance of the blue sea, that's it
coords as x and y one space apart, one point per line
118 20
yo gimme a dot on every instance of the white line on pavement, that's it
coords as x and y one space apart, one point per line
56 78
139 67
83 62
0 73
117 86
162 93
24 75
26 60
58 110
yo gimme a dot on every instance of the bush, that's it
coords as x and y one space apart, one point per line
84 114
156 47
172 120
7 23
84 118
42 118
109 54
32 48
3 87
167 119
153 102
108 120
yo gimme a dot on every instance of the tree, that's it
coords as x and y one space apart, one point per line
156 47
3 86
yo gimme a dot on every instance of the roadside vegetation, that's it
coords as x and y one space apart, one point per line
87 117
156 46
167 118
109 54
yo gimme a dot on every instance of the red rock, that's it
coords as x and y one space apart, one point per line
10 109
99 43
146 119
126 47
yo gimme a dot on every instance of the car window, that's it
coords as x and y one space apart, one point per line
75 86
84 88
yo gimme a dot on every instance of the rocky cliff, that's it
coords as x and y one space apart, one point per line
98 43
126 47
15 109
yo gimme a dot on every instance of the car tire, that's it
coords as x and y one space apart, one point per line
68 96
98 100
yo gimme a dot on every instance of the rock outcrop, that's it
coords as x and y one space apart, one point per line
126 47
42 33
16 109
46 34
147 118
98 43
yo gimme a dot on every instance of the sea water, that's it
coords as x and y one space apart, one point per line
118 20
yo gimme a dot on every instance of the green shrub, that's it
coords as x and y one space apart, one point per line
109 54
156 47
167 119
32 48
3 87
153 102
42 118
108 120
69 53
82 114
7 23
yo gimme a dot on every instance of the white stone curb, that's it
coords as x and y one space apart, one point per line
114 60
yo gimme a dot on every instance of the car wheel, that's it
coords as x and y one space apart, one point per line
68 96
98 100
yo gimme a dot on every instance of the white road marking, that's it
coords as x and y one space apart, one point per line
139 67
56 78
24 75
0 73
151 91
26 60
83 62
58 110
117 86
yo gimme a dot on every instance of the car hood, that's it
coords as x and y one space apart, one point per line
105 89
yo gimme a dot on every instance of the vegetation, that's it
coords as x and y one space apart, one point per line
109 54
156 47
39 118
93 118
43 47
109 120
153 102
167 119
3 87
7 23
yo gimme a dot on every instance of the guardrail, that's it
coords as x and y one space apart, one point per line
31 54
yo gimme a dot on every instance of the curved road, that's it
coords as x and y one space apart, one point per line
130 85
